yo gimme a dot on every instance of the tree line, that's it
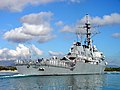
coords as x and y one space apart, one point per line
112 69
12 68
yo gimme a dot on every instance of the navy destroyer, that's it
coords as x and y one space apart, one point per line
81 59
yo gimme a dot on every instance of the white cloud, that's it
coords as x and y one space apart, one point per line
19 5
55 53
37 23
59 23
68 28
16 35
114 18
3 54
36 30
21 52
73 29
37 18
36 50
46 38
116 35
34 26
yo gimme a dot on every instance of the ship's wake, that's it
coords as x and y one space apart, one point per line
13 76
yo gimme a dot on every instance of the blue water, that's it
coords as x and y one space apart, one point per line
108 81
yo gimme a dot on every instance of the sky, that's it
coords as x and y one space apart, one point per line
47 27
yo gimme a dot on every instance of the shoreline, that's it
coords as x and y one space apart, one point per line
15 71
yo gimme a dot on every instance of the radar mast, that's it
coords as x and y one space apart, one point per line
88 34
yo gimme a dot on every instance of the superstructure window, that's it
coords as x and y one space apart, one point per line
82 53
95 50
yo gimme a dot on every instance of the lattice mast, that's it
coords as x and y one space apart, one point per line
88 34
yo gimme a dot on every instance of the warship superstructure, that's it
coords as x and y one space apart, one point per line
81 59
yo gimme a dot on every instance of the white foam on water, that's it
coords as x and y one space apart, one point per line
13 76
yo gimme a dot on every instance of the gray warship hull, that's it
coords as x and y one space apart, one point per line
81 59
80 68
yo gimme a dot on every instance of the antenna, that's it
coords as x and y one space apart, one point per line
87 27
87 18
87 32
95 31
93 34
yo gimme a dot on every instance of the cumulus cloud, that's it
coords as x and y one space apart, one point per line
68 28
36 30
37 23
36 50
59 23
34 26
19 5
73 29
21 52
3 54
114 18
17 35
46 38
55 53
116 35
37 18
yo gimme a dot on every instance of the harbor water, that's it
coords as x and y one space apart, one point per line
107 81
